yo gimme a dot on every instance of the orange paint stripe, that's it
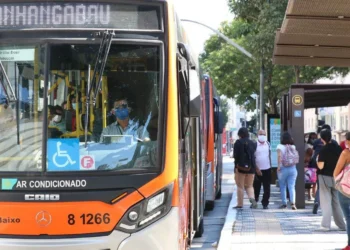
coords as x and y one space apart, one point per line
119 198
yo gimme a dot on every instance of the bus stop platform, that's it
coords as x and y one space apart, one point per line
276 228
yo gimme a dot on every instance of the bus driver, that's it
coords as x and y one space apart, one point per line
123 124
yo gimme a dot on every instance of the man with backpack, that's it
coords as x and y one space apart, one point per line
263 169
244 150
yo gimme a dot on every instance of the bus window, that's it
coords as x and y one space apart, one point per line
118 132
21 121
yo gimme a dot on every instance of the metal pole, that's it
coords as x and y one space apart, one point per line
262 103
228 40
257 112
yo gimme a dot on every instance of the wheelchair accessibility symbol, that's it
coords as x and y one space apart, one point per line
63 155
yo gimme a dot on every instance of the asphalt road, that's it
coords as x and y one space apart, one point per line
214 220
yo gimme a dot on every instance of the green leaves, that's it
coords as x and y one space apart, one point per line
238 76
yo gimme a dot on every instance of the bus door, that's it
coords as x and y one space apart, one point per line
198 166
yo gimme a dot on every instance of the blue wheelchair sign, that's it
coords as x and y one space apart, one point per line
63 155
297 113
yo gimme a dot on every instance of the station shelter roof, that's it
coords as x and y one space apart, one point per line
315 33
324 95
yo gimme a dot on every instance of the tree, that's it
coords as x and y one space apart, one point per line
224 110
236 75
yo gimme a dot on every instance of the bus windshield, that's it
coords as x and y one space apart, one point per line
122 122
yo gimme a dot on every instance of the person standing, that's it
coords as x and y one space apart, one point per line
344 160
317 146
244 150
263 169
287 173
326 162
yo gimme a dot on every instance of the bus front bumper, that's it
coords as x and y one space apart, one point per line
163 234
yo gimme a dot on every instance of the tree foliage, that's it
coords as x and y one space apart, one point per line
238 76
224 110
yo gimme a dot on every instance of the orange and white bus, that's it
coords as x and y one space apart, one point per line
213 128
100 114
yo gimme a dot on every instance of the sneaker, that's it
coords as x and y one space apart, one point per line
237 207
324 229
253 202
283 206
293 207
265 207
314 210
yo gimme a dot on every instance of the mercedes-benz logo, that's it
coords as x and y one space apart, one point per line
43 218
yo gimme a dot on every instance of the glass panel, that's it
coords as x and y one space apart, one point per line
122 126
21 121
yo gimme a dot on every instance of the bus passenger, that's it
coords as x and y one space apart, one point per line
317 146
244 150
123 125
344 200
287 174
57 119
326 162
263 169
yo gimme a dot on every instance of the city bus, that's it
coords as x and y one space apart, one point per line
213 129
101 127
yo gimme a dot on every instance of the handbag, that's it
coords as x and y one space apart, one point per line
310 175
342 181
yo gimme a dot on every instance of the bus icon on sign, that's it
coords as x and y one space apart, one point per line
297 100
87 162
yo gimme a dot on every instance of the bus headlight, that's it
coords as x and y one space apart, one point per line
147 211
155 202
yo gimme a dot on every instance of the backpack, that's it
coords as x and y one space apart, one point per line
290 156
342 181
248 158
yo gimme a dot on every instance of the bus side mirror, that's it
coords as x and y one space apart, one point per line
218 122
184 51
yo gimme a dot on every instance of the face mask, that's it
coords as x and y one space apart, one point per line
122 113
57 118
262 138
312 141
74 105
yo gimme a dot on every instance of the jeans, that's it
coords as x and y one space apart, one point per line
287 178
317 197
345 206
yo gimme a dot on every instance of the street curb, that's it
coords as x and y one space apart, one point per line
226 232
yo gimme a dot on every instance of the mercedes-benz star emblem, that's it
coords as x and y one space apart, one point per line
43 218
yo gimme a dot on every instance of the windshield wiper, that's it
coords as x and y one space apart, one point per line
87 106
100 63
6 85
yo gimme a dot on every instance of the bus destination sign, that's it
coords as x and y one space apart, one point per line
78 16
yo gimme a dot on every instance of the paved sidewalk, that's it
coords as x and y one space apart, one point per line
276 228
